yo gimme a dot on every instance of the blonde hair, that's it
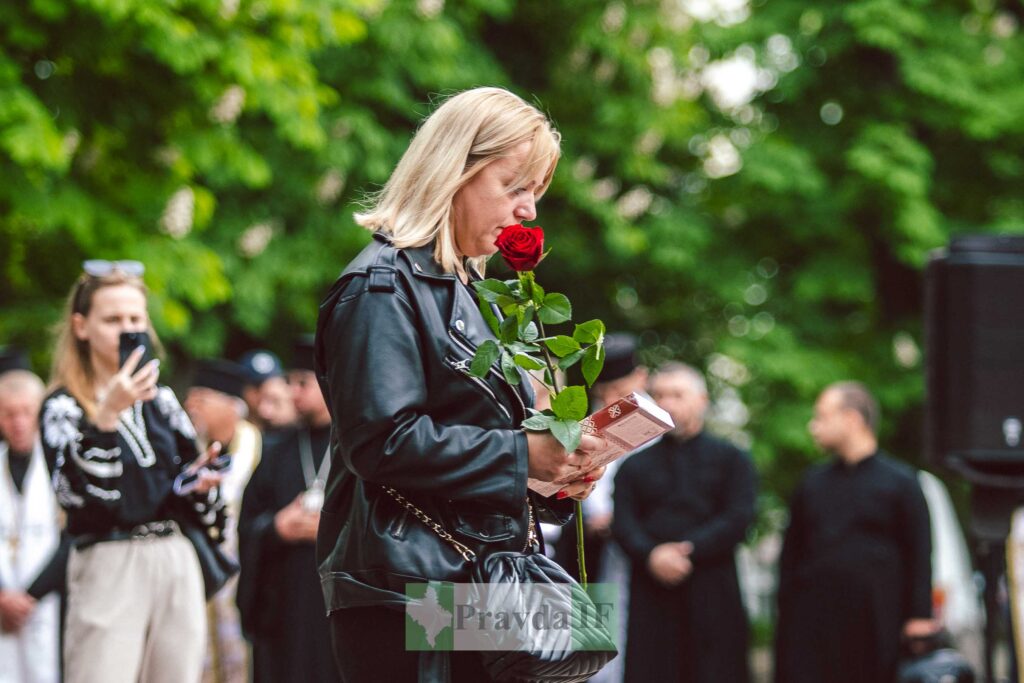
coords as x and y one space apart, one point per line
466 133
72 365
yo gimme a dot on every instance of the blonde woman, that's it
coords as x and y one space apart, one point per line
394 341
117 441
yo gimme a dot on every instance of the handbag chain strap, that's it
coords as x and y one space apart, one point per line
467 554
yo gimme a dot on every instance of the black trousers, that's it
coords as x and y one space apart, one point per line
369 647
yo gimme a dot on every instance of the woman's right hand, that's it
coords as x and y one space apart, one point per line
550 462
125 388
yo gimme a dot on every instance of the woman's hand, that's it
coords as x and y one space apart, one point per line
549 461
207 479
125 388
581 488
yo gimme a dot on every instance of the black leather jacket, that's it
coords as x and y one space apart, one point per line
393 344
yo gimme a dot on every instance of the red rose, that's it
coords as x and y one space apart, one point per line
521 247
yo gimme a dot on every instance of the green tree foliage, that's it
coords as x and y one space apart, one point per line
776 241
889 130
191 135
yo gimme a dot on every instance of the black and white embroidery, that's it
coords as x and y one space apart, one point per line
103 494
99 462
66 498
61 416
132 428
167 403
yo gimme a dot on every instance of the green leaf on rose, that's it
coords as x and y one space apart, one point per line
484 357
507 331
520 347
570 403
515 290
540 422
570 360
556 309
525 317
589 332
538 294
508 368
562 345
568 432
488 313
528 362
530 332
505 302
490 290
593 361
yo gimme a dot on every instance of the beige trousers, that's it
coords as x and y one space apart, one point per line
136 613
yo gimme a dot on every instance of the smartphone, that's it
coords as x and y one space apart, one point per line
130 341
220 463
186 482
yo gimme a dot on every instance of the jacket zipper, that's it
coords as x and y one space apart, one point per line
462 367
399 530
515 392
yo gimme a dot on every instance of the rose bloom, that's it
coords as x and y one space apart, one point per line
521 247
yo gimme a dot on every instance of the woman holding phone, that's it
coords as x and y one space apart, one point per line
117 443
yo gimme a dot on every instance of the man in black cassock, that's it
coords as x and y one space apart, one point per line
681 508
279 596
855 571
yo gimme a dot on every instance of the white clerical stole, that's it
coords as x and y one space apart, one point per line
29 536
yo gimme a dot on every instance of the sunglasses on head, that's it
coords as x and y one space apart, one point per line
101 268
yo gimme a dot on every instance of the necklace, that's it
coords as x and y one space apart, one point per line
313 497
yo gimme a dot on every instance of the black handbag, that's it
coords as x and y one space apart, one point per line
531 583
939 666
217 567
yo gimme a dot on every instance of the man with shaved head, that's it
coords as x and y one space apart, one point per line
855 572
681 508
32 556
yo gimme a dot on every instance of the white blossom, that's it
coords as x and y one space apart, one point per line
179 213
330 186
228 106
428 9
254 240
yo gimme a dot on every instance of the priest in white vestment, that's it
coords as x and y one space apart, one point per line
32 559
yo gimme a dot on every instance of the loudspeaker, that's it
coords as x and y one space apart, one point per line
974 317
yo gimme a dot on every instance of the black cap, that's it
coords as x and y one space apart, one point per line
13 358
260 365
302 353
224 376
619 356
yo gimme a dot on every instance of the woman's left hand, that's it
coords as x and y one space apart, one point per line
581 488
206 478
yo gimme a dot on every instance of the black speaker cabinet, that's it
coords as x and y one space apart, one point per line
974 315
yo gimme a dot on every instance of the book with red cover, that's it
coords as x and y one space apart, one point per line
626 424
